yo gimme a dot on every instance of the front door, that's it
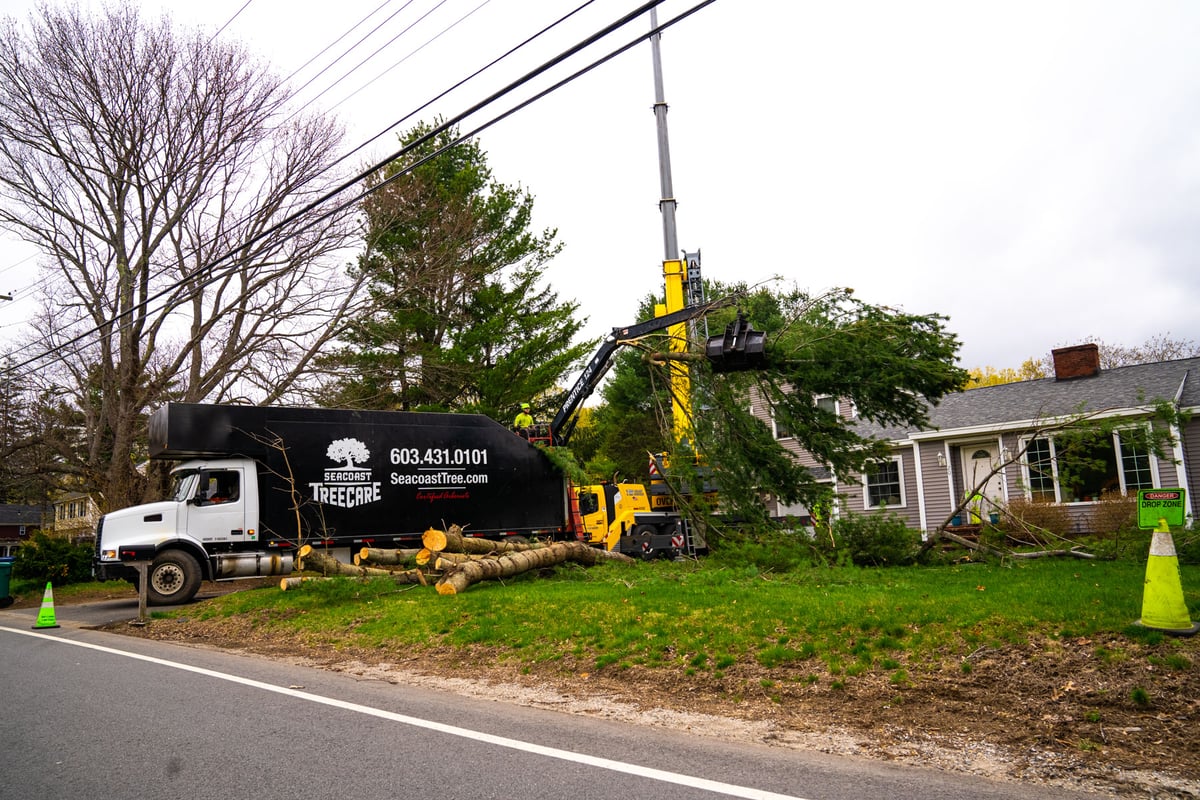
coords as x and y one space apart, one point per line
977 461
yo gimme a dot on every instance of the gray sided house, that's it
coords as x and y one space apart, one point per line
972 432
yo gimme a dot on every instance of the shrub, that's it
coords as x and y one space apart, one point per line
1026 520
771 551
1187 546
875 540
1116 513
54 559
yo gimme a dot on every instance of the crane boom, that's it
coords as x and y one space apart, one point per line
564 421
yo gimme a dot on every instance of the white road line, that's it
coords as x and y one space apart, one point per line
718 787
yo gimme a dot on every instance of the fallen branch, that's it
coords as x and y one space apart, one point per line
1074 552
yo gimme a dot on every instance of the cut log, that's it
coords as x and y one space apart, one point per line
454 541
294 581
376 556
320 561
587 555
463 575
448 559
459 576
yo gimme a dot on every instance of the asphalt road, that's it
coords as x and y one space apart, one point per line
91 715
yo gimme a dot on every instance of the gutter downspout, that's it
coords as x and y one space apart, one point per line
1178 455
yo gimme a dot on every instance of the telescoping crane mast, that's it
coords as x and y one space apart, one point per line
681 277
740 347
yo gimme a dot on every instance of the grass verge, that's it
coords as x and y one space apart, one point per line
707 618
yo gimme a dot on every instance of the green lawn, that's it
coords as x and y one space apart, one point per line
706 617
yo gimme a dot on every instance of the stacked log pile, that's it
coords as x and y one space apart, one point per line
451 560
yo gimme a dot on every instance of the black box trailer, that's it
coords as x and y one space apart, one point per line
255 482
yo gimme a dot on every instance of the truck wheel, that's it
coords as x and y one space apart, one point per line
174 578
643 538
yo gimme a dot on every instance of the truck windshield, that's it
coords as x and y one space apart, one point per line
181 485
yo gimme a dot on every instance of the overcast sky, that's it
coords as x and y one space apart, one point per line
1029 169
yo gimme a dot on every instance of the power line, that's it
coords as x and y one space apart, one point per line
356 45
49 278
329 46
362 176
116 321
439 35
229 21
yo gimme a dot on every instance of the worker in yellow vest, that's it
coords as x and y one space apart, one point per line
524 419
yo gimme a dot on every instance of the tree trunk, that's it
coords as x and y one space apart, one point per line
587 555
458 576
449 559
453 541
371 555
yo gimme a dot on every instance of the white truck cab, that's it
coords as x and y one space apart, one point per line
198 533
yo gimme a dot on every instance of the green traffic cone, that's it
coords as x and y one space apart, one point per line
45 618
1163 607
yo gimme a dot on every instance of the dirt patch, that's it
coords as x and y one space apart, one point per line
1114 715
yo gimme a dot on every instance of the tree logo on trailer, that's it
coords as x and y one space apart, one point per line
349 484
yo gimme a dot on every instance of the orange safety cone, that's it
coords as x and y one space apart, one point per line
45 617
1163 608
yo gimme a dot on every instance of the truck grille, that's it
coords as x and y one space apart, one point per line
99 536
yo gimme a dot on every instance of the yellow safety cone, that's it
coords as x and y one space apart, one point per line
1163 608
45 618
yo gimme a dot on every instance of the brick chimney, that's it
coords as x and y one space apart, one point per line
1080 361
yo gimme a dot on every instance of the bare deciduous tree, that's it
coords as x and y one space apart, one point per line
163 177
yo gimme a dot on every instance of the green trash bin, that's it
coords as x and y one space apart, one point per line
5 573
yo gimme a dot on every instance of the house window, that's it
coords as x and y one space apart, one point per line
1085 470
1040 466
1136 472
884 484
782 431
828 403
